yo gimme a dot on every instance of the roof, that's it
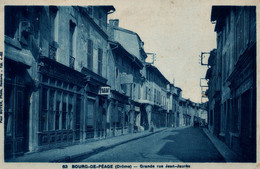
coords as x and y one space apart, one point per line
109 8
127 31
178 88
133 33
157 71
123 50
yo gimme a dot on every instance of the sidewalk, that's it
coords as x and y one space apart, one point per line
223 149
81 151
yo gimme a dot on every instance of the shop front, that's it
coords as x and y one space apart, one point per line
60 104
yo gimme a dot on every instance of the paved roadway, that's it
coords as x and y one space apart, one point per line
184 145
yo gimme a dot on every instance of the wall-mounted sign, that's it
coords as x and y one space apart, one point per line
104 90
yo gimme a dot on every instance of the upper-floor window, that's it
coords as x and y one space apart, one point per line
100 58
53 10
139 92
53 20
90 11
155 99
146 93
99 19
90 54
71 44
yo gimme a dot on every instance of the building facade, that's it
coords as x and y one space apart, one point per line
51 97
232 79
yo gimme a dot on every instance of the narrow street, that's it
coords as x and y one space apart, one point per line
184 145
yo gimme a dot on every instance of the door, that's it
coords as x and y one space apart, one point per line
16 121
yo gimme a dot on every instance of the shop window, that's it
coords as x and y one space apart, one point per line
51 111
57 115
235 105
64 111
69 117
43 117
90 114
77 118
44 99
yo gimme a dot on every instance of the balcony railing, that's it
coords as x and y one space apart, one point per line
52 52
72 62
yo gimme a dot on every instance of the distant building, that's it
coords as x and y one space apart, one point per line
232 79
157 83
128 54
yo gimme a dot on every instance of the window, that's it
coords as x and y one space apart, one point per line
100 19
57 111
155 99
43 118
90 11
159 97
146 93
150 94
90 113
64 111
139 91
235 127
116 79
70 112
100 57
134 91
51 111
71 44
57 107
90 54
53 10
240 33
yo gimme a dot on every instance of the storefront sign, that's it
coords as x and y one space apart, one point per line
104 90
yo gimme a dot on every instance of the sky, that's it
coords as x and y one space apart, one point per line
177 32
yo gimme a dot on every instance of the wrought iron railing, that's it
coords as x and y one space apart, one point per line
72 62
52 52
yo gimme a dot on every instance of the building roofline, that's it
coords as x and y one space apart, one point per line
158 72
130 56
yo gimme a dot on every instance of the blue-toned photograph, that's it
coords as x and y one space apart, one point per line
111 83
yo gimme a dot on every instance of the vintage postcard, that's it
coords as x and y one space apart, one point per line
129 84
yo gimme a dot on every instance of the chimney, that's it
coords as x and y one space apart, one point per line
114 22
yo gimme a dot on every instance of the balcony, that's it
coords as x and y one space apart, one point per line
52 50
72 62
